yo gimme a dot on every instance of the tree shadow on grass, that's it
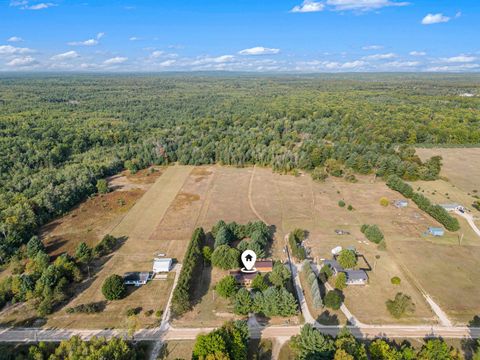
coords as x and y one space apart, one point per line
327 318
202 286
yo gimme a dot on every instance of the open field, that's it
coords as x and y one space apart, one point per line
177 349
185 197
461 166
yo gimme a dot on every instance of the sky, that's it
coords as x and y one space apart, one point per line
304 36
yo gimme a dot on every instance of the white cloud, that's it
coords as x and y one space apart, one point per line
65 56
380 56
167 63
157 53
418 53
27 5
89 42
215 60
24 61
308 6
259 50
401 64
430 19
460 59
14 39
362 5
115 60
12 50
454 68
372 47
134 38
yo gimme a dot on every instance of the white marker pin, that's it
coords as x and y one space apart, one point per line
248 259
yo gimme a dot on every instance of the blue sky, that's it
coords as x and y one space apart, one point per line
240 35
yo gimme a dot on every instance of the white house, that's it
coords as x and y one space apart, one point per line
162 265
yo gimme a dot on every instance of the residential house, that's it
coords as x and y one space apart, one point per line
356 277
244 279
264 265
334 266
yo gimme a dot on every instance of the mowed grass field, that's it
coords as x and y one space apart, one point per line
183 198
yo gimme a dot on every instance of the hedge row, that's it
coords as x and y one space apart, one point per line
192 263
435 211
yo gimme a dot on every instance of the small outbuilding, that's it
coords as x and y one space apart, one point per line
356 277
137 278
400 203
162 265
436 231
264 265
451 207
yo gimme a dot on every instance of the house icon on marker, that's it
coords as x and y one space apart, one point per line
248 257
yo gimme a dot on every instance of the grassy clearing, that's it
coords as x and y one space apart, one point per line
177 349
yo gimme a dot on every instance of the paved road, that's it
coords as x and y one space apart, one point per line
365 331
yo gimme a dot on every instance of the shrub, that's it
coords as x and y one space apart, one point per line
400 306
333 299
350 208
341 281
113 288
90 308
341 203
192 263
207 254
384 201
102 186
133 311
105 246
294 240
226 287
395 280
476 205
159 313
347 259
372 233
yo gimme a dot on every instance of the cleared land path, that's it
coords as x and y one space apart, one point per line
143 218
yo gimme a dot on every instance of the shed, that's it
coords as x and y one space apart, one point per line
162 265
356 277
137 278
400 203
264 265
336 250
436 231
451 207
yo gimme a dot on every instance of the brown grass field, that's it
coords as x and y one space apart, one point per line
182 198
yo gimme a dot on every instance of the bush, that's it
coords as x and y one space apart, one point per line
333 299
192 263
133 311
319 174
384 201
400 306
207 254
341 281
341 203
102 186
226 287
106 246
258 283
476 205
113 288
350 208
159 313
90 308
372 233
395 280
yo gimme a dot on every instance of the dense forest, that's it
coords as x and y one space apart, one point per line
59 134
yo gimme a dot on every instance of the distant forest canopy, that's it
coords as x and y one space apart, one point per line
59 134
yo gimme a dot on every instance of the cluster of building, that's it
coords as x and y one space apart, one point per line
354 277
161 267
